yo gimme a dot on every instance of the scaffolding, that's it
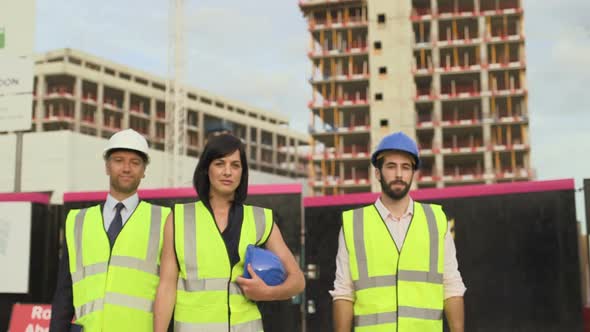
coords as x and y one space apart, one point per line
470 101
471 96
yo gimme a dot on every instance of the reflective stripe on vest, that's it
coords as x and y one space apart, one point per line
191 286
193 283
148 265
118 299
367 282
252 326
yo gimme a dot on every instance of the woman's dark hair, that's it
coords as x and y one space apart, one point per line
218 147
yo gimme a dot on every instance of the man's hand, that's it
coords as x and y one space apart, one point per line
255 289
455 312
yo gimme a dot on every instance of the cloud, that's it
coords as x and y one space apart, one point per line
573 53
114 30
566 12
238 50
557 75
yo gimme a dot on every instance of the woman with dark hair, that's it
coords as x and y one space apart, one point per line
203 253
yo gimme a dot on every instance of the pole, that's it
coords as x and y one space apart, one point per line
587 201
303 265
18 163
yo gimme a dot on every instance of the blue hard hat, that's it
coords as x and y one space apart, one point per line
265 264
399 142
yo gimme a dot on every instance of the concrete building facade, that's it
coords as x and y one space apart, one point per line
83 93
450 73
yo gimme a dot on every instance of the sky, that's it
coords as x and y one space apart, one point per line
255 52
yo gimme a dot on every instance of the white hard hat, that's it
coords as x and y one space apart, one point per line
128 139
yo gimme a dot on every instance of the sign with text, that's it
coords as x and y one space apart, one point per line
15 246
17 32
30 318
16 93
17 28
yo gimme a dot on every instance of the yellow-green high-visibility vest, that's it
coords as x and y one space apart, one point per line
395 290
115 290
208 298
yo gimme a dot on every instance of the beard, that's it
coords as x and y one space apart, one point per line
125 188
395 194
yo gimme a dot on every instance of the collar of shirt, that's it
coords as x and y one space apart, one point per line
386 215
130 203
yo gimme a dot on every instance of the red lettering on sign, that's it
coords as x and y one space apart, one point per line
30 318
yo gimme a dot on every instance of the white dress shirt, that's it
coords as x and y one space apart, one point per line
343 285
109 211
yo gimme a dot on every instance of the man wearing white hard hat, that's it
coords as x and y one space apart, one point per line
396 268
108 274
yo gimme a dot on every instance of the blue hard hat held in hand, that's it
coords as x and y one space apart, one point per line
265 264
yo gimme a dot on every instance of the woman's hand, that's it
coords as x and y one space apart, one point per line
255 288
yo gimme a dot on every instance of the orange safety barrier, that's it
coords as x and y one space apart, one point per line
463 170
456 10
356 174
356 148
472 89
460 116
421 11
424 172
89 96
461 142
423 118
61 89
425 145
88 118
502 5
112 102
423 91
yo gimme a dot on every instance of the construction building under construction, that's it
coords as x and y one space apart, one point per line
83 93
451 73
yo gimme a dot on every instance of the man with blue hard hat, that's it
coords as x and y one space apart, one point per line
396 268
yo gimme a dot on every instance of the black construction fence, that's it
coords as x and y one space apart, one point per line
47 238
516 246
43 255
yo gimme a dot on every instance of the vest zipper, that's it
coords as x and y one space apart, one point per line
113 247
230 268
397 294
399 254
398 258
228 285
230 277
228 303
